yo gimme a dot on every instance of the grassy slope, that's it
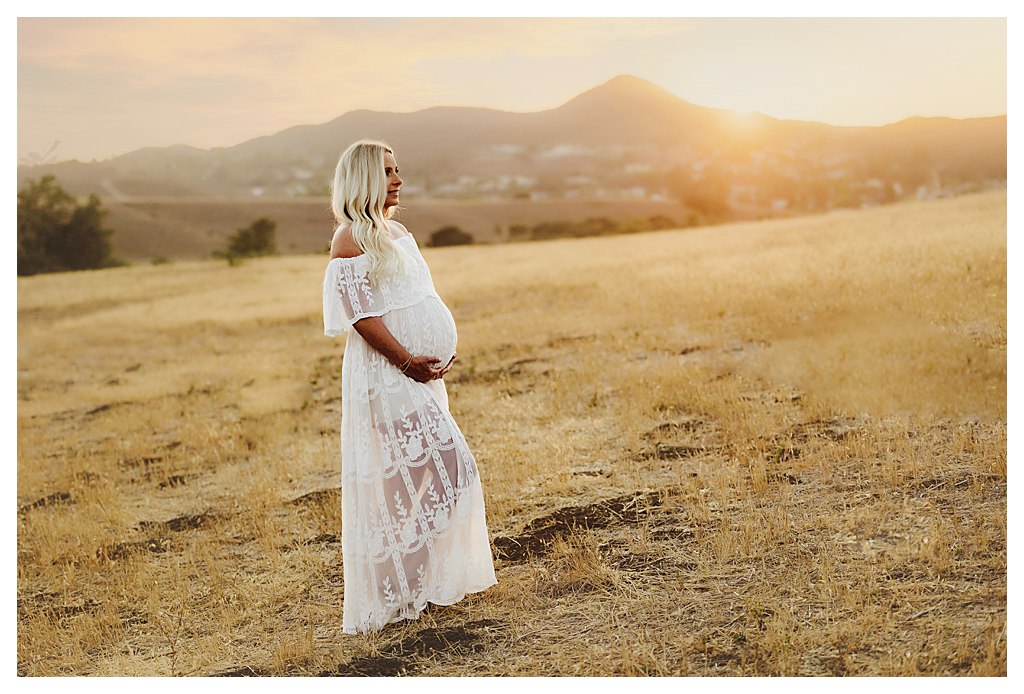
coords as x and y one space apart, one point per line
189 229
764 448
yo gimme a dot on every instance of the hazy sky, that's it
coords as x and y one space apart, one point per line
103 87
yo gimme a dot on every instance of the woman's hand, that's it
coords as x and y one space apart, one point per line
422 369
447 367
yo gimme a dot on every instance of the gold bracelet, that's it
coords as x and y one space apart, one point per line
405 366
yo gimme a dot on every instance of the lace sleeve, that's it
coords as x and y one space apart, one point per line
349 296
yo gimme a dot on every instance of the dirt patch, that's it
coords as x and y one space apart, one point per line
786 477
789 445
683 424
144 468
563 340
719 660
665 452
836 429
123 550
191 521
782 454
88 477
512 370
538 535
686 436
243 671
50 500
173 481
400 659
36 601
142 461
676 534
645 563
957 482
130 616
590 471
320 496
47 604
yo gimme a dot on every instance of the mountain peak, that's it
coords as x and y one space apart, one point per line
624 82
624 89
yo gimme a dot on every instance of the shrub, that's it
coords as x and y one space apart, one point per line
449 236
518 232
254 240
660 221
56 234
592 226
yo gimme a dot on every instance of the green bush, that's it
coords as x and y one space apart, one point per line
56 234
518 232
592 226
254 240
449 236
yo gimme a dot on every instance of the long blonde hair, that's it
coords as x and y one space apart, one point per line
357 196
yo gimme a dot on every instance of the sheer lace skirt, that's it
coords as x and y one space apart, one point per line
413 519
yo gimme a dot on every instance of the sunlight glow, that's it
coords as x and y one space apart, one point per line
219 81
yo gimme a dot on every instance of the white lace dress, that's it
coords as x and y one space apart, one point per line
412 526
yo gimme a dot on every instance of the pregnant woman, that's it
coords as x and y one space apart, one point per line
413 527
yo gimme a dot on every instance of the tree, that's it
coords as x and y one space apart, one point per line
449 236
254 240
518 232
56 234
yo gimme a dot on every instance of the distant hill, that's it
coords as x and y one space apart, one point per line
621 138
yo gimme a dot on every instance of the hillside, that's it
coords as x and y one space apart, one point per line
768 448
623 137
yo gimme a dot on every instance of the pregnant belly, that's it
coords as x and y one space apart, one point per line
425 329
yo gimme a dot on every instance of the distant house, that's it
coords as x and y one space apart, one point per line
569 151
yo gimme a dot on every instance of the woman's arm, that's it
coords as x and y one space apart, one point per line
421 369
373 330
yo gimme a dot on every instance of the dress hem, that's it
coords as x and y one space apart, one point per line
395 618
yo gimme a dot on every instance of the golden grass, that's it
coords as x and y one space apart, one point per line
773 448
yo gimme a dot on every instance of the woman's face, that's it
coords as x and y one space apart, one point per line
394 182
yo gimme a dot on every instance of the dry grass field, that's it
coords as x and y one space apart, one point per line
191 228
769 448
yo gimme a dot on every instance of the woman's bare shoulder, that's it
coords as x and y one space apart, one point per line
400 226
342 245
